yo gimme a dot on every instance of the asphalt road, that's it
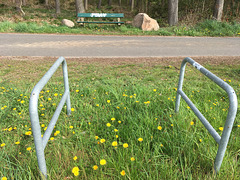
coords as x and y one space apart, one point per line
116 46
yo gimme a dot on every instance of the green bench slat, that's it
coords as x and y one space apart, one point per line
101 15
100 22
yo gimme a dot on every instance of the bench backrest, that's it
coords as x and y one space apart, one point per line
112 15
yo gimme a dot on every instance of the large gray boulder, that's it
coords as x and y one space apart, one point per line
68 23
144 22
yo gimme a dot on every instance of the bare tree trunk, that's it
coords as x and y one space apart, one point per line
172 12
146 6
132 5
24 2
99 4
46 2
19 7
86 4
57 4
120 2
218 10
109 2
79 8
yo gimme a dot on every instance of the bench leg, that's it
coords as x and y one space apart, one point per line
118 19
81 19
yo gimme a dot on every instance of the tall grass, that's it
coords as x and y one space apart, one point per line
206 28
137 100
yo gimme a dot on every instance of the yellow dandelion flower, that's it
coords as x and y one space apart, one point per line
103 162
52 138
49 99
114 143
172 125
102 140
29 149
56 94
95 167
140 139
28 133
221 128
132 159
200 140
97 105
113 119
10 129
108 101
22 101
238 125
17 142
115 130
75 171
3 144
96 137
108 124
125 145
72 109
123 173
116 136
4 178
75 158
191 123
154 90
161 145
70 127
77 90
160 128
119 122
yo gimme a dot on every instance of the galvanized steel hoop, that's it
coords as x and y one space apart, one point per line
40 143
232 111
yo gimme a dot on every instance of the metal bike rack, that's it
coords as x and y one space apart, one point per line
232 111
40 143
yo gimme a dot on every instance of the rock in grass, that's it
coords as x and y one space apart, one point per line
68 23
144 22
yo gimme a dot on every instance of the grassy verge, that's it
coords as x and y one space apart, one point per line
123 112
206 28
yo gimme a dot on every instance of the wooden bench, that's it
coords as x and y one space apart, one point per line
81 16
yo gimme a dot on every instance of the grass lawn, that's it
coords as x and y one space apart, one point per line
123 113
